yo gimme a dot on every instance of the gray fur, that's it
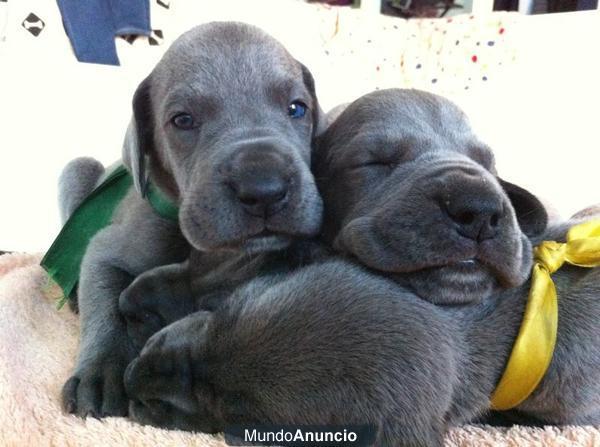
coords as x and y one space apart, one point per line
163 295
237 83
393 168
329 344
334 343
388 218
77 180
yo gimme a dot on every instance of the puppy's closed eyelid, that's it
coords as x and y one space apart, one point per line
379 167
375 158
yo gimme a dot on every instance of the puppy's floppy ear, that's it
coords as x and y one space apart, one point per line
138 138
319 122
531 213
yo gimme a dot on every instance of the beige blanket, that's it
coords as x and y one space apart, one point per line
37 349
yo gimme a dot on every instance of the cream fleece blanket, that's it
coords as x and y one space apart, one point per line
37 350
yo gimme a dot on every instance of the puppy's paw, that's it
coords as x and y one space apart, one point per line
168 385
96 390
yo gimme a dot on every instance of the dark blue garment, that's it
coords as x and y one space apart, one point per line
586 5
92 26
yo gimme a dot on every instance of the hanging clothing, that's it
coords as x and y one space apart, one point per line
93 25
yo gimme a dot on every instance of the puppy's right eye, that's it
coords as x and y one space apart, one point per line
183 121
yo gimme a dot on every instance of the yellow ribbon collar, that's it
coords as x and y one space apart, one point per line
534 346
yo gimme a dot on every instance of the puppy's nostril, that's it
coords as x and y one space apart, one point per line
282 195
476 217
248 201
262 195
279 197
494 220
464 218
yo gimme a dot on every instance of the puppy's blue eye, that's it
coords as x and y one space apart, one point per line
183 121
297 109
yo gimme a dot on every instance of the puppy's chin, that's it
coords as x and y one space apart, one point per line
466 282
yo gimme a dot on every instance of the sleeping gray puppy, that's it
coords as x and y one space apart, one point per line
402 169
411 192
222 126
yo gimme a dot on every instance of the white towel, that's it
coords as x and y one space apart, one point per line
37 353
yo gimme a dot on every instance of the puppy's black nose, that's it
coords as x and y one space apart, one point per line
261 194
260 179
475 211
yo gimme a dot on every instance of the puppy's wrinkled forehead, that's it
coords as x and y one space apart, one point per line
409 119
200 59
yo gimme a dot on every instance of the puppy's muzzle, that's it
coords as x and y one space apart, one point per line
472 205
260 178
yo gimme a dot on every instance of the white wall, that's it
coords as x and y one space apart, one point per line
542 121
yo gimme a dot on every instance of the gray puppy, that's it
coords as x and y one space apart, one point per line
327 344
335 344
411 192
163 295
223 127
410 189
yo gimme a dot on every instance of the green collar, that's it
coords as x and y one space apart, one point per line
162 205
63 259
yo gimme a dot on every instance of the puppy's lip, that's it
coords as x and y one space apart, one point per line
271 234
266 241
478 267
466 265
366 239
264 234
469 270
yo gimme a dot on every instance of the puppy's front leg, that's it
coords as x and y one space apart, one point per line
95 388
155 299
114 258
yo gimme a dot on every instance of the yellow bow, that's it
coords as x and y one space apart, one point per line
534 346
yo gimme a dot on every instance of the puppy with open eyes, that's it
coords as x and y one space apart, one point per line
223 128
412 194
